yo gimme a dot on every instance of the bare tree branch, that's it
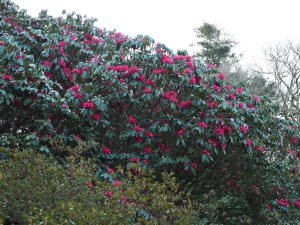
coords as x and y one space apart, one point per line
283 62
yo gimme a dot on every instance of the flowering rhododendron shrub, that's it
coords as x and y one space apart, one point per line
136 102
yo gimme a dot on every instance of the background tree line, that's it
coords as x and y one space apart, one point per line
278 78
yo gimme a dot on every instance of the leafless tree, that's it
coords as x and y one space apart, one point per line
283 62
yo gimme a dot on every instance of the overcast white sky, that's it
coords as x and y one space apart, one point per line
253 23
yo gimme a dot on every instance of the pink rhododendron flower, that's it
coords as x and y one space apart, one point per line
88 105
110 171
179 58
292 153
138 139
211 66
239 90
67 71
166 59
124 200
227 129
6 77
185 104
77 138
205 152
202 125
223 146
134 160
212 142
78 71
48 75
259 149
268 207
283 202
221 76
133 69
188 58
88 184
145 162
147 91
240 105
62 44
189 64
163 147
198 80
131 119
171 96
149 83
193 80
132 171
188 71
141 78
216 88
149 134
47 63
97 40
180 132
201 114
70 78
230 96
30 78
194 166
138 129
106 151
147 150
73 37
219 131
95 117
116 183
251 107
62 105
294 141
74 88
77 95
121 40
212 104
62 63
255 99
248 142
61 51
159 71
230 103
297 204
243 129
108 194
120 68
17 103
227 87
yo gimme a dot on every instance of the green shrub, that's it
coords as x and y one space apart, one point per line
35 189
146 202
32 181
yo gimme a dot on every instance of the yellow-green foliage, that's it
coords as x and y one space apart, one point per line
161 200
35 189
31 181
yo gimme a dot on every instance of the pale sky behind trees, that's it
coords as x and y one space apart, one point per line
254 24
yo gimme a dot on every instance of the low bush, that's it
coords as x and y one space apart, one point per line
35 189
